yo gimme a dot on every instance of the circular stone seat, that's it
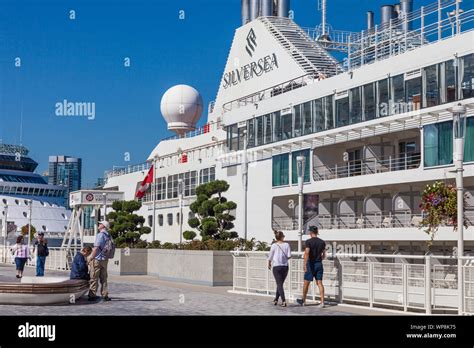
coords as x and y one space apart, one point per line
42 291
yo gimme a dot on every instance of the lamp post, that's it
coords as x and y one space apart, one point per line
300 166
30 210
245 181
180 195
153 195
5 232
459 130
105 205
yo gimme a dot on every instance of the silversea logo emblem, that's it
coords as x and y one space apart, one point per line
256 68
251 42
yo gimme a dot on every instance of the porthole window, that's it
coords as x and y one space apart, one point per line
44 228
4 201
25 214
160 220
17 202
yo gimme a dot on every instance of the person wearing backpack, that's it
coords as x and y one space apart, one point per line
280 253
42 251
102 251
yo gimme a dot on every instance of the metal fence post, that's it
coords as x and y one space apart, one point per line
371 284
247 258
428 284
405 286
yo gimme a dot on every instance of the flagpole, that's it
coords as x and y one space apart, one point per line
153 195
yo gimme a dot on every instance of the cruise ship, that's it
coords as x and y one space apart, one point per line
369 111
26 197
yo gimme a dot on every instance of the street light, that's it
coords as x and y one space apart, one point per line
180 192
300 167
459 134
5 232
245 180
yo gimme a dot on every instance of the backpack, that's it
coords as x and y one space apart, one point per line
109 248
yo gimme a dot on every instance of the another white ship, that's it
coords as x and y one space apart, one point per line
26 198
374 130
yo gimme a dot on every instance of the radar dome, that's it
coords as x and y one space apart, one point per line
181 107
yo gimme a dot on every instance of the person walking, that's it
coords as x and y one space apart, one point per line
280 253
314 254
21 253
99 262
42 251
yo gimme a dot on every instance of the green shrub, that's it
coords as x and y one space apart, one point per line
189 235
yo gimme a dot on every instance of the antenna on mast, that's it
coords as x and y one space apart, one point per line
322 7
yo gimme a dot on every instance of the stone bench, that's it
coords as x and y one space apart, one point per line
42 291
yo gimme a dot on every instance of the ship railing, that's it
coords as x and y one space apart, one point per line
367 166
127 170
59 258
273 91
414 283
207 128
368 220
426 25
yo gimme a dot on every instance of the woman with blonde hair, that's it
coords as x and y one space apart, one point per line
280 253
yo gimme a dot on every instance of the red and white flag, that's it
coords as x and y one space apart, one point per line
145 185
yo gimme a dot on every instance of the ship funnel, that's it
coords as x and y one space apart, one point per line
266 8
386 14
283 8
245 11
254 9
406 6
370 20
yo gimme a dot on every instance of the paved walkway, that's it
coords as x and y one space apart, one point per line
146 295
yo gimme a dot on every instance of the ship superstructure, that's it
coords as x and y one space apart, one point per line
374 129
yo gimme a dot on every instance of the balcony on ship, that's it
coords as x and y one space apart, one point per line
380 154
387 207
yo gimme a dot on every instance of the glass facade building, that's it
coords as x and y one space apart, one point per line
65 171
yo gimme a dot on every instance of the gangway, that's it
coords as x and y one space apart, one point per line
79 201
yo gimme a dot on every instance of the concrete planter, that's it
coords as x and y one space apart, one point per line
129 262
211 268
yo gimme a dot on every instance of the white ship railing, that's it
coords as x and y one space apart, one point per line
426 25
59 259
375 219
127 170
404 282
271 92
367 166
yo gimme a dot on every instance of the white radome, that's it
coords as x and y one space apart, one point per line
181 107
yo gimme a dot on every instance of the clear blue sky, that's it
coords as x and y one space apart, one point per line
81 60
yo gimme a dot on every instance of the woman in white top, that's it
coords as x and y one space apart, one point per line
280 253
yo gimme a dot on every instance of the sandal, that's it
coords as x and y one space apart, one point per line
283 304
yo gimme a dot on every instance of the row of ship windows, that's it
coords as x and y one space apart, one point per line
168 187
434 85
437 151
31 191
169 219
24 179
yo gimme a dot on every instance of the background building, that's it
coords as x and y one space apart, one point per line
65 171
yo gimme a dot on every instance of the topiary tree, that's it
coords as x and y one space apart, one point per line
212 212
24 231
126 227
189 235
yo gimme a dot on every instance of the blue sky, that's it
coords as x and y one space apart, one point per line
82 60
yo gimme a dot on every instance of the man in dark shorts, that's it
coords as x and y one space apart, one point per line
314 254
